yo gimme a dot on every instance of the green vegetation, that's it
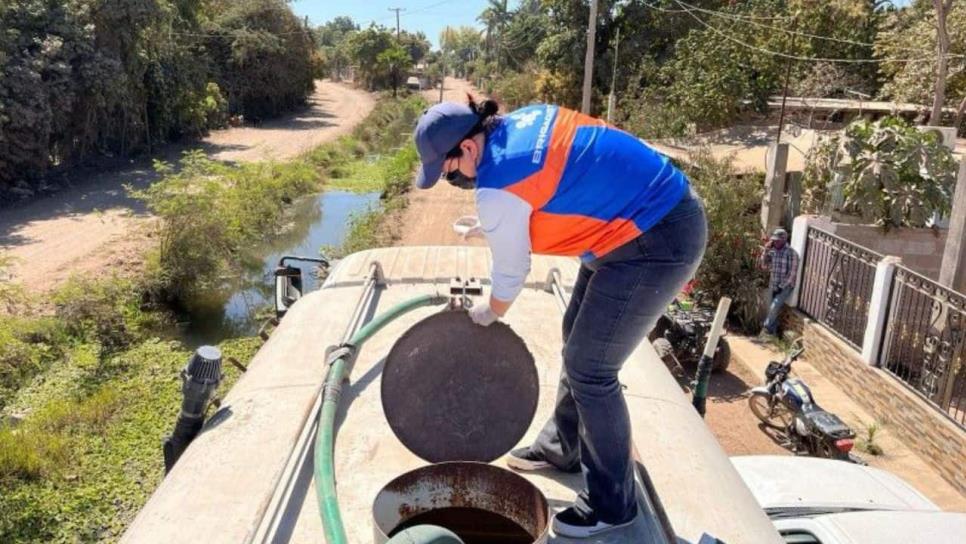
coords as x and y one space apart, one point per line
390 173
88 77
373 228
379 59
868 442
78 467
729 268
696 65
88 390
892 173
907 30
213 214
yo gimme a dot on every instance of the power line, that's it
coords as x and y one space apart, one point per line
747 17
750 20
778 53
417 10
228 33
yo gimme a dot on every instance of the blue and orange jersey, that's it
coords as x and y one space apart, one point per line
592 187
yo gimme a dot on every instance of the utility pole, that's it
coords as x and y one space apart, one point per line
942 8
613 77
397 10
442 77
788 75
589 59
395 69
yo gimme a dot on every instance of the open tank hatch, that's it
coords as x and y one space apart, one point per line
481 503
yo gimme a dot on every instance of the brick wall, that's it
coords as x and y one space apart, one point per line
940 442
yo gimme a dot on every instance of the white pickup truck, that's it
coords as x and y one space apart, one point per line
821 501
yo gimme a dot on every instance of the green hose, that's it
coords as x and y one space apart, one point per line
331 394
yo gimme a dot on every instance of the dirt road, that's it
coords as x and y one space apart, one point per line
94 227
429 217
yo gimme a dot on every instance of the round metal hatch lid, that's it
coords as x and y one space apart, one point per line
455 391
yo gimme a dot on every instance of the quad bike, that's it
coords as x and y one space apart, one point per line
680 334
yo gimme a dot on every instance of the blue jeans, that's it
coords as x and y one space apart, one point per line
616 301
778 298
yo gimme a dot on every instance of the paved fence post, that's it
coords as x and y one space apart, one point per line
878 309
799 238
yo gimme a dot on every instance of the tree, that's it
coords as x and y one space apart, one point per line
264 56
415 44
906 34
375 53
712 65
392 61
942 7
729 267
460 46
495 17
331 37
89 77
522 33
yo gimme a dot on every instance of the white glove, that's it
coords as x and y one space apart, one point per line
483 315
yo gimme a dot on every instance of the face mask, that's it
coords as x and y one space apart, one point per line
457 178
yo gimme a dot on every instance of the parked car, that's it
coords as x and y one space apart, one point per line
823 501
412 82
876 527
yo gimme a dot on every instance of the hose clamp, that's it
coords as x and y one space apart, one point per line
334 353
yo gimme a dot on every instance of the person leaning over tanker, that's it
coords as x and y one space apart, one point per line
553 181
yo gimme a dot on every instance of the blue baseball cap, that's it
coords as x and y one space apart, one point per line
439 130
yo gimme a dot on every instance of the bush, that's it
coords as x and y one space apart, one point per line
212 213
515 89
263 56
893 174
27 347
12 295
732 203
105 311
27 454
91 413
389 125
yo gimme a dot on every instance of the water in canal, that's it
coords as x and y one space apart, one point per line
315 221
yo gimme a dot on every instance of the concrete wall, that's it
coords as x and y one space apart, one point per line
919 249
935 438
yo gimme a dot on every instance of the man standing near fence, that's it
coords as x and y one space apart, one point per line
782 263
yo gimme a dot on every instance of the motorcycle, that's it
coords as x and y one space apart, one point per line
787 404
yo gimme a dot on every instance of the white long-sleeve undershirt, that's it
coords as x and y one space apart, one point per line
505 220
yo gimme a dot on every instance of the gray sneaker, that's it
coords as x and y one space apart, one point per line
526 459
572 523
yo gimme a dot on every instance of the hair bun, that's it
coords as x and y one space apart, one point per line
485 109
488 108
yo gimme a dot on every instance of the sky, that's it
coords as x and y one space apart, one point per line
429 16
